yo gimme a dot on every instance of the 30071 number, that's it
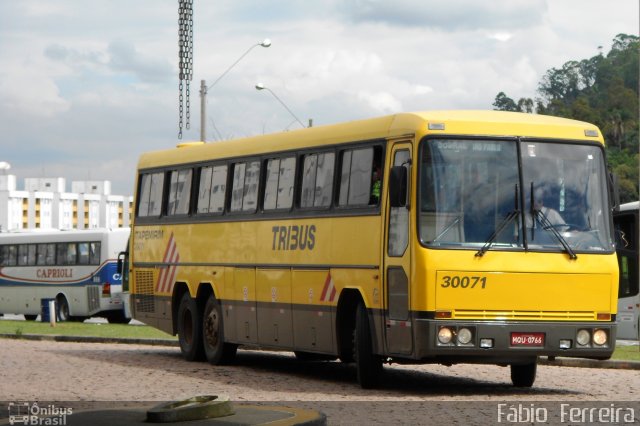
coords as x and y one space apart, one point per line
456 281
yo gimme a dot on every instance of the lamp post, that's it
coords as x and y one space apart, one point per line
204 88
261 86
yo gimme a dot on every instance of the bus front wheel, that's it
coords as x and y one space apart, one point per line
215 349
368 364
189 329
523 375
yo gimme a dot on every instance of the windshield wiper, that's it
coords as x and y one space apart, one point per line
447 228
507 220
547 225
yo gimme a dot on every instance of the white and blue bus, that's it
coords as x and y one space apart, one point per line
627 232
77 268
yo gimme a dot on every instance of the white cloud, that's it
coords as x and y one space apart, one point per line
501 36
28 93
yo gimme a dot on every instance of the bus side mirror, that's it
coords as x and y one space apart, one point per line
398 186
121 257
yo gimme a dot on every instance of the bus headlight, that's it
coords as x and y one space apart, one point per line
464 336
600 337
445 335
583 337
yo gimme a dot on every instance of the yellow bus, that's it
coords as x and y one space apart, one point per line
432 237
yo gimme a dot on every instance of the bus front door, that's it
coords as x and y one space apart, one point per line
397 265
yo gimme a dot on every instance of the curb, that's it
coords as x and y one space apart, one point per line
590 363
558 362
91 339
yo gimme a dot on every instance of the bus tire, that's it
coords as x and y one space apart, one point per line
368 364
62 309
189 329
30 317
523 375
216 351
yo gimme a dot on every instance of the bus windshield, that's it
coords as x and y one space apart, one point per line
477 193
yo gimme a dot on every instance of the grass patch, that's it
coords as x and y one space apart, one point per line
627 353
125 331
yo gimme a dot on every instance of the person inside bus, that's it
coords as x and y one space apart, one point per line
538 204
375 186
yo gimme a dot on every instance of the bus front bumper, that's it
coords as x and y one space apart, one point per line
511 341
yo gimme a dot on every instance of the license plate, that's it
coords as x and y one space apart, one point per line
527 339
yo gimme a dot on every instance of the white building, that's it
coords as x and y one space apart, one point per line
45 204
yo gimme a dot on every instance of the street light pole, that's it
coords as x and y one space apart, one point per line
204 89
261 86
203 110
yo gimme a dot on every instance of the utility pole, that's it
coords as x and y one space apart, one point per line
203 110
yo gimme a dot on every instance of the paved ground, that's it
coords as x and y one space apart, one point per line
129 374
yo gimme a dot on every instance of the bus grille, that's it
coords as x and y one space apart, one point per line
93 298
144 291
526 315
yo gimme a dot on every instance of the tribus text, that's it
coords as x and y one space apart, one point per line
294 237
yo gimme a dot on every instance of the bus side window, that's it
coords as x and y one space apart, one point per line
67 254
94 253
317 180
179 192
150 198
83 253
212 189
31 255
244 191
41 255
360 177
51 254
23 255
10 255
278 193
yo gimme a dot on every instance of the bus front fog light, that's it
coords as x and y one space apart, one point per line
486 343
565 344
445 335
464 336
600 337
583 337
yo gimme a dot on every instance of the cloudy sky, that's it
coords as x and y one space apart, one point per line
86 86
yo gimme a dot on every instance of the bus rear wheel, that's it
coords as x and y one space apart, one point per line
368 364
523 375
189 329
216 350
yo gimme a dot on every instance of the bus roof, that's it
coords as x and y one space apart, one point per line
487 123
53 235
